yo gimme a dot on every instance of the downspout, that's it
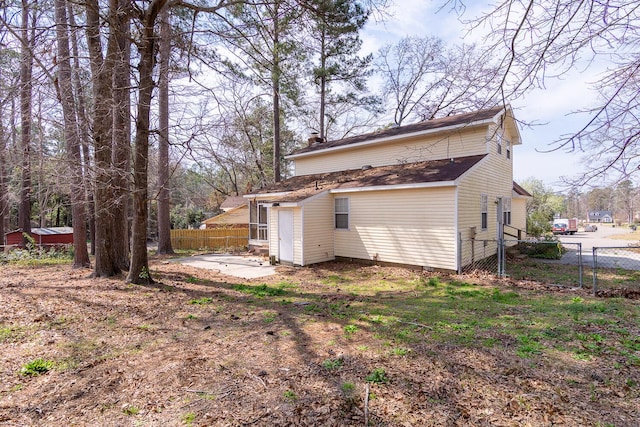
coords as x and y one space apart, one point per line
457 234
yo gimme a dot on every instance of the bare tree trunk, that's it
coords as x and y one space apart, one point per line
139 271
26 66
275 78
164 222
323 84
121 160
65 92
83 127
105 264
3 178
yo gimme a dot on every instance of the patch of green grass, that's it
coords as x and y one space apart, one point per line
290 395
188 418
333 364
433 281
632 344
269 317
377 376
528 346
191 317
36 367
399 351
201 301
261 291
192 279
505 297
9 334
348 390
335 279
131 410
350 330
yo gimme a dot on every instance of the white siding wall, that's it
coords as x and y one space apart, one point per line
317 218
455 144
414 227
493 176
274 249
519 214
297 236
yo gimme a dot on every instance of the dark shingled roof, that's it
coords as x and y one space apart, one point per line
301 187
457 120
521 191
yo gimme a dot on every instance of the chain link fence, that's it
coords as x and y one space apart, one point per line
612 271
616 268
545 261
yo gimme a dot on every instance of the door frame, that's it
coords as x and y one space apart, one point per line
286 235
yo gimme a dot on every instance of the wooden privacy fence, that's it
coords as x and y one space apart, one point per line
220 238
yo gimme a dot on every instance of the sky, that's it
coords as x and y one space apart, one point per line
550 109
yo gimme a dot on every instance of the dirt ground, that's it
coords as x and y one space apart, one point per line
193 350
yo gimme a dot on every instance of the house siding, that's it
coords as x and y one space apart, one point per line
519 214
493 177
414 227
239 215
318 224
274 248
453 144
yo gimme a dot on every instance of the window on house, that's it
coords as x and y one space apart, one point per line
484 211
257 220
500 139
508 150
506 211
342 213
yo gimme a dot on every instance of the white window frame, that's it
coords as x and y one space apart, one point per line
500 139
345 212
506 210
508 150
484 211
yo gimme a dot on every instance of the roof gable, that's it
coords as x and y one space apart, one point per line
520 191
444 124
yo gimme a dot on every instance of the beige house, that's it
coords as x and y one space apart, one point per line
235 213
409 195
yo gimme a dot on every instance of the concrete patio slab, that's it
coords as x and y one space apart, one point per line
233 265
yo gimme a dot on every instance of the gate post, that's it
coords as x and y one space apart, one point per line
595 270
580 263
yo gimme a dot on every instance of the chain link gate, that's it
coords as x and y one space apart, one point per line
500 256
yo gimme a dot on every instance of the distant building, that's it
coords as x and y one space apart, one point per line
235 214
43 236
601 216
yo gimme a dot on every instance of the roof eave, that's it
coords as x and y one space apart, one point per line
394 137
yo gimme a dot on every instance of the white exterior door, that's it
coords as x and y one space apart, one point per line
285 235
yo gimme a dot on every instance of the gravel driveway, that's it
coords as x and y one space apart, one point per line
600 239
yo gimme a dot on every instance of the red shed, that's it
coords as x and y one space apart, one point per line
43 236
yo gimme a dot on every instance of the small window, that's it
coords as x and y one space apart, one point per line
484 210
500 139
508 150
506 211
342 213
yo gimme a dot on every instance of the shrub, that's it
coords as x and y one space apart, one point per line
547 248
